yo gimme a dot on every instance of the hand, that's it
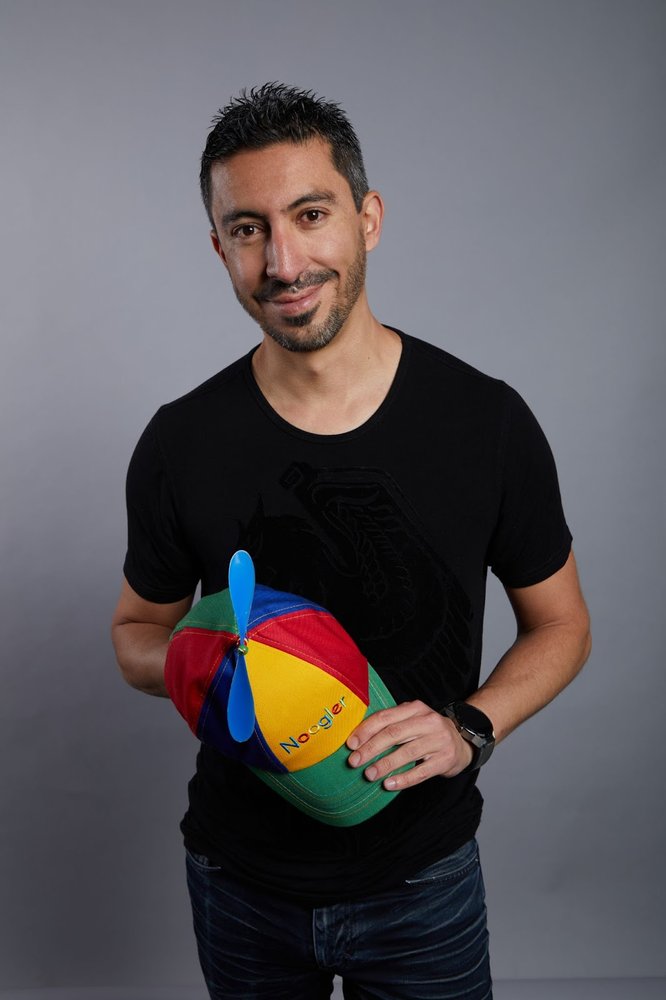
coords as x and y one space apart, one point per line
419 735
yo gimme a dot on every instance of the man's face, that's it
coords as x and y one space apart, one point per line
289 234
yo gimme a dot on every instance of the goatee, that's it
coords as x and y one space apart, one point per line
319 334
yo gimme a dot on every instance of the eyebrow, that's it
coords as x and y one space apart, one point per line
312 196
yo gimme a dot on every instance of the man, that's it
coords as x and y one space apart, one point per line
380 477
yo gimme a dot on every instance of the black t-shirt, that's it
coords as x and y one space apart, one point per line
392 527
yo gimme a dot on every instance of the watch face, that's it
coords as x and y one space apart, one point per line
474 720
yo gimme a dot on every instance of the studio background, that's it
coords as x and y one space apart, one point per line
519 147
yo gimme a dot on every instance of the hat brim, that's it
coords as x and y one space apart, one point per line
332 791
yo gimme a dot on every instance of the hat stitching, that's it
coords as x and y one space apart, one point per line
373 792
292 787
297 650
201 698
220 671
276 612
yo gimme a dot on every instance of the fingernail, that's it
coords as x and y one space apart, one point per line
371 773
390 783
352 742
355 759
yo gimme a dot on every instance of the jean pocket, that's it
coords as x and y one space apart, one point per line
449 869
202 862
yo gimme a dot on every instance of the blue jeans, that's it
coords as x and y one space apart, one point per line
425 940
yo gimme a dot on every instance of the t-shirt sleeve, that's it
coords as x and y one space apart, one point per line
531 540
158 565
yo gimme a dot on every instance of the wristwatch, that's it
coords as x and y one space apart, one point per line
476 728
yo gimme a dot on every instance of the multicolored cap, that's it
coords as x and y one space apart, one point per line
279 688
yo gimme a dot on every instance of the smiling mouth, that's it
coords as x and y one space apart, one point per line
296 303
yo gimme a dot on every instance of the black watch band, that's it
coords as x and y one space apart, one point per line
475 727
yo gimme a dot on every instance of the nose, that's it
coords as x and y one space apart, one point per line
285 259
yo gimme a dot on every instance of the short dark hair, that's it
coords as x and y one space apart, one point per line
277 113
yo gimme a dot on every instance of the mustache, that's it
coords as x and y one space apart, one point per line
272 288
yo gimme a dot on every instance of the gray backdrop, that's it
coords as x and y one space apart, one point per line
519 145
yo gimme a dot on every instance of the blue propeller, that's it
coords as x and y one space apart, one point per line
240 706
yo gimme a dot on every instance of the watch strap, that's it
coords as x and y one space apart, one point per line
482 745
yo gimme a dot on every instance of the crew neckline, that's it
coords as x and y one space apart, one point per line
367 424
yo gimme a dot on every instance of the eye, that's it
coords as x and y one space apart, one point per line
313 215
246 231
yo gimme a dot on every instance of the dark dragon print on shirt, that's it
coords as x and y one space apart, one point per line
354 545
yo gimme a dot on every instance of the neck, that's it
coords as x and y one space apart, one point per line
336 388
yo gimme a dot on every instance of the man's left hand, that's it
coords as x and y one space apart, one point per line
420 736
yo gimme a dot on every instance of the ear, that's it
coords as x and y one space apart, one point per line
217 247
372 215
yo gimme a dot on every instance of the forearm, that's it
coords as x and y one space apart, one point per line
552 645
540 664
140 631
141 653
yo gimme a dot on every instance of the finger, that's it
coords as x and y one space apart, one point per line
424 722
391 736
446 764
408 753
367 729
414 776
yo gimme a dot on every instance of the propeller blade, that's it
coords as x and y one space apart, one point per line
241 589
240 706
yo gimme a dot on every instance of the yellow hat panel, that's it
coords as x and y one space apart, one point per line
304 713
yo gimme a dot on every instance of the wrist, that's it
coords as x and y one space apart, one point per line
475 728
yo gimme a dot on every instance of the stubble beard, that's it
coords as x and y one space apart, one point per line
321 334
